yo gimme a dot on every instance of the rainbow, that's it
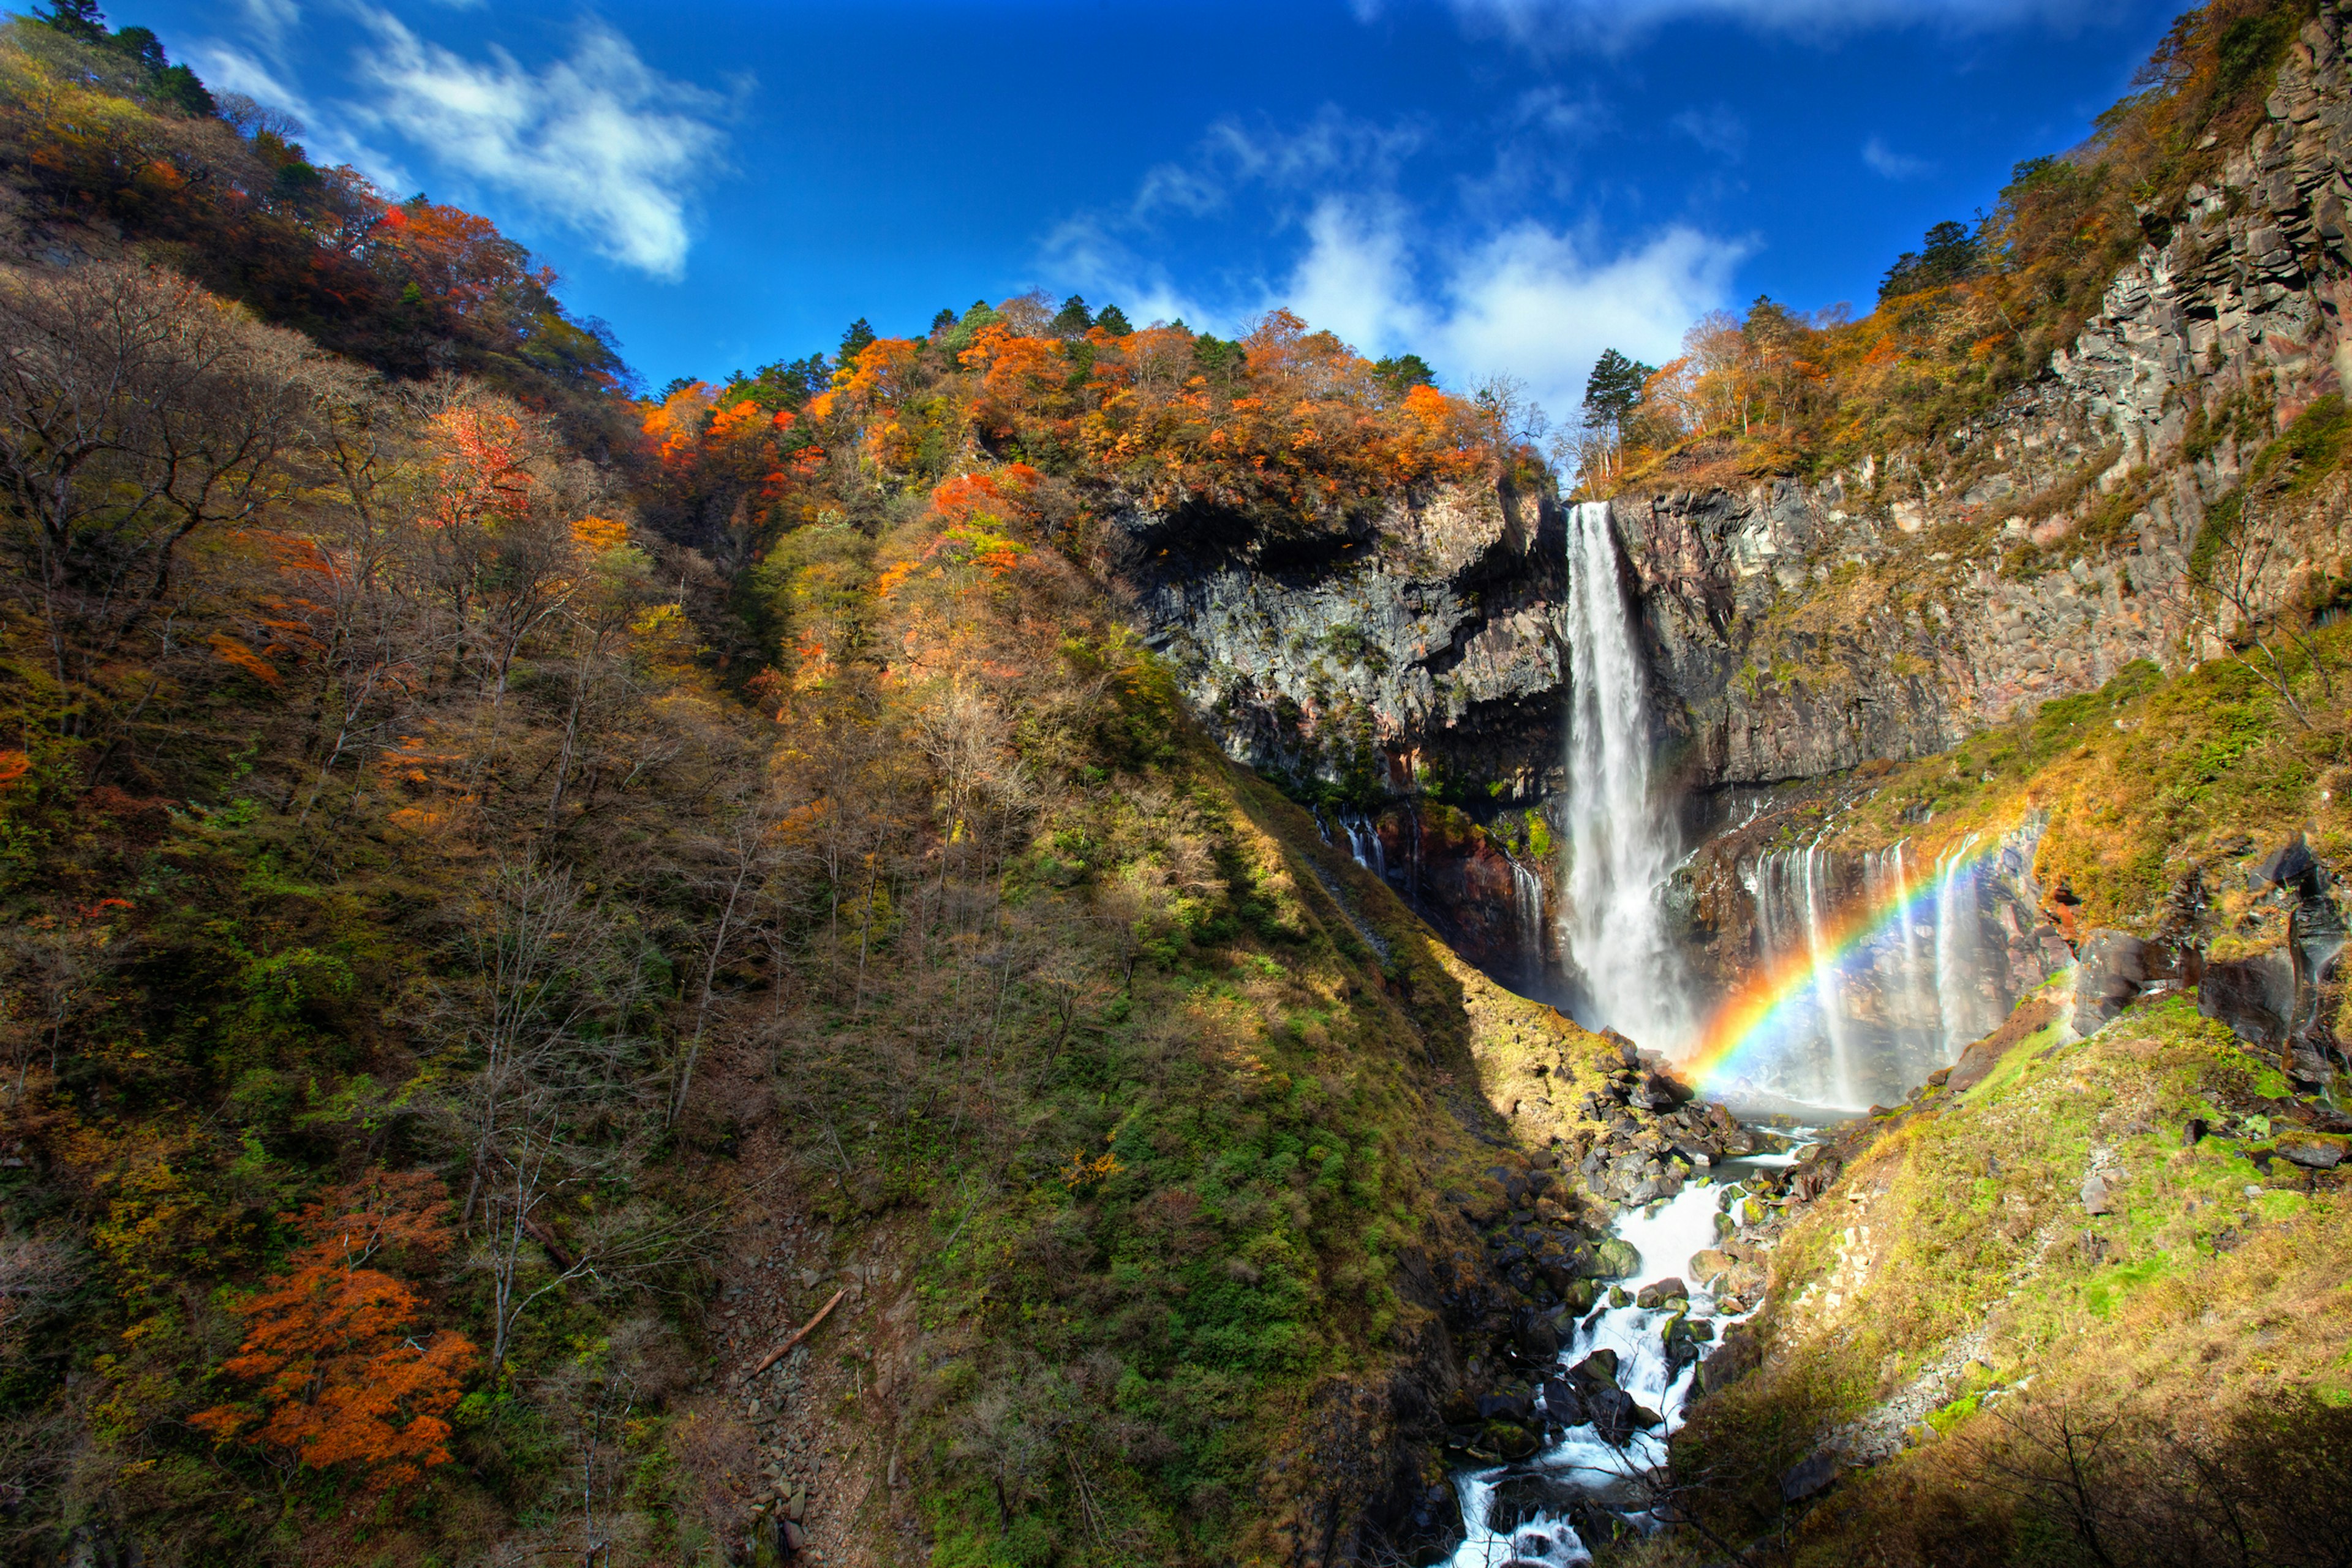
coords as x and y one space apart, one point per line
1763 1013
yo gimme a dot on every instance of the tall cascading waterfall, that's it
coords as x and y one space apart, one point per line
1618 844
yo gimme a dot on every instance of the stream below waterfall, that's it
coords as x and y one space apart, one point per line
1524 1514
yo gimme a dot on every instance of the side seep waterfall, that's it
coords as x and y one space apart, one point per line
1869 976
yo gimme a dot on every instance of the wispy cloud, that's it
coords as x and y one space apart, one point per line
1546 26
598 143
1884 161
1718 129
1476 295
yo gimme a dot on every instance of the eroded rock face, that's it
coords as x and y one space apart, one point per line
1418 638
1805 628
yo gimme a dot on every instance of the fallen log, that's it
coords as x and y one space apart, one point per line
781 1350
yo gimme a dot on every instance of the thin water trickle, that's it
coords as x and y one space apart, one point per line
1838 1086
1620 845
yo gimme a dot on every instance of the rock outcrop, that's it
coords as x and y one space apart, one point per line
1413 643
1891 609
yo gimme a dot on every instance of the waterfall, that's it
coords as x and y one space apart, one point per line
1619 846
1871 988
1364 844
1828 990
1957 948
1527 900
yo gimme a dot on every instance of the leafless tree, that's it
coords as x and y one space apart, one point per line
136 409
553 1096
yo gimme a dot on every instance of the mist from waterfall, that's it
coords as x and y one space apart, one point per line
1618 844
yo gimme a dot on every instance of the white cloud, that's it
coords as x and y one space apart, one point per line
324 137
1509 296
599 142
270 21
1884 161
1527 301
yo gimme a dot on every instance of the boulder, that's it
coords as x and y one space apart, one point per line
1562 1405
1536 1337
1506 1405
1598 1370
1657 1294
2110 968
1612 1411
1808 1477
1508 1440
2312 1151
1612 1258
2099 1197
1524 1499
2255 997
2291 864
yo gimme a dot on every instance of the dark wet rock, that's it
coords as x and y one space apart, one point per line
1598 1370
2255 997
2112 967
1686 1339
2292 866
1808 1477
1523 1500
2312 1151
1734 1359
1538 1337
1508 1440
1504 1406
1612 1412
1563 1406
1660 1292
1613 1258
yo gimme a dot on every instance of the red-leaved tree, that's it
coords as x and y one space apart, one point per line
340 1378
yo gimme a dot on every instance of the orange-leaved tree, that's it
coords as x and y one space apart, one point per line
341 1379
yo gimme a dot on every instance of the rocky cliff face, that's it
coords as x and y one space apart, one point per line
1892 609
1416 643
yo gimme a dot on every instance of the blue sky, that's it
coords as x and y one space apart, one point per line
1505 186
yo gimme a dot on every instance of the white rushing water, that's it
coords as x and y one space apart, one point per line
1527 902
1667 1236
1883 1008
1958 945
1618 844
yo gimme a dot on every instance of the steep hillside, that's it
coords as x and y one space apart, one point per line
600 977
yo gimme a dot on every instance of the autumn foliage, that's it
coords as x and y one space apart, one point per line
340 1377
1980 308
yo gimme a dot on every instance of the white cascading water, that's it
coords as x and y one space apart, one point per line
1957 949
1667 1236
1527 901
1828 979
1886 1011
1619 846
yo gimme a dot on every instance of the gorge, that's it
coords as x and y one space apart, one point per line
1058 944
